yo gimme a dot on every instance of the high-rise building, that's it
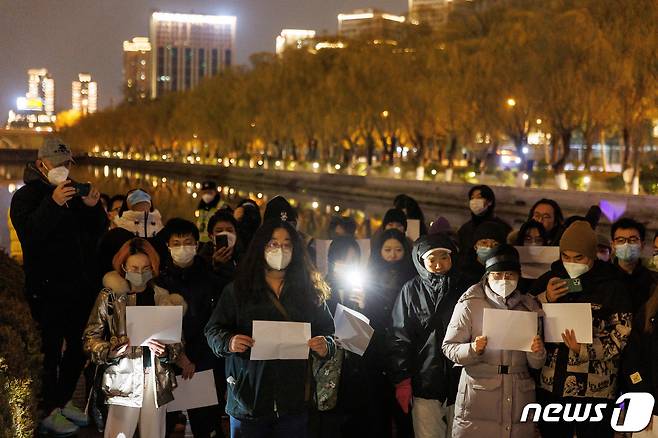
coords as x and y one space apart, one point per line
36 109
187 48
294 38
41 86
137 69
433 13
371 24
85 94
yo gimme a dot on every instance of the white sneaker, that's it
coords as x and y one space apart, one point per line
56 424
75 415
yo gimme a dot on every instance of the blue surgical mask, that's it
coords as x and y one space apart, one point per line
139 279
484 253
628 252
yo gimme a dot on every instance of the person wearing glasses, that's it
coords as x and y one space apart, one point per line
549 213
627 246
276 281
495 385
137 381
577 372
532 233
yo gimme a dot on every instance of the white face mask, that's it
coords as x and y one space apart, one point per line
207 198
477 205
278 259
503 287
58 175
230 238
183 255
575 270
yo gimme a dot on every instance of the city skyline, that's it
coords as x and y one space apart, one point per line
92 38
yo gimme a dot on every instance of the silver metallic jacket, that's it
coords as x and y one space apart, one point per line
123 379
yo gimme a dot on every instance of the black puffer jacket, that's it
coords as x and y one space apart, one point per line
201 290
420 319
639 370
58 241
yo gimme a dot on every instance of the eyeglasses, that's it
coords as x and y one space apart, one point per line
623 240
504 275
274 244
538 217
137 270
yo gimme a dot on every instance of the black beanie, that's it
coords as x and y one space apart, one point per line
490 230
395 215
279 209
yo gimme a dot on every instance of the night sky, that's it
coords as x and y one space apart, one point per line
72 36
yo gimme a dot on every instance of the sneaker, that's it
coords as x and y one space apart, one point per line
57 425
75 415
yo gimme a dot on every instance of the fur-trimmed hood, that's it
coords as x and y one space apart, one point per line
119 285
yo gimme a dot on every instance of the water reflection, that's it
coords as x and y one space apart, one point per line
176 196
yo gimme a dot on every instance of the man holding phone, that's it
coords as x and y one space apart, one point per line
58 227
576 372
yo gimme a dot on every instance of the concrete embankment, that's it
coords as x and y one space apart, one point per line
511 201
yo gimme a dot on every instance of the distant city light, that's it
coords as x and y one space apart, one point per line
194 18
364 16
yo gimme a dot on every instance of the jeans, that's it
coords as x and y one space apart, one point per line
286 426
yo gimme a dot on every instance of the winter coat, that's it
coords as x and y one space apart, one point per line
421 315
639 369
141 224
225 272
489 402
382 291
201 290
264 388
123 379
592 372
640 283
58 242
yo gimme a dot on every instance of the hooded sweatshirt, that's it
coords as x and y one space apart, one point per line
421 316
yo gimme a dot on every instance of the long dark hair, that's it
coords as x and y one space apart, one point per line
300 273
412 209
557 211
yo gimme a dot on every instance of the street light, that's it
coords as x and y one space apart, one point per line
385 113
511 102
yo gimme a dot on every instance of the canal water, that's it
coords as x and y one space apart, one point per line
176 196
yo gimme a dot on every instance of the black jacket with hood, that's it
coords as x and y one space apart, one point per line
420 318
58 242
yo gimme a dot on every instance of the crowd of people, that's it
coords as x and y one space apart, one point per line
427 371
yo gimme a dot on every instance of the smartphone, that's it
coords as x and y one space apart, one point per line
574 285
221 241
81 189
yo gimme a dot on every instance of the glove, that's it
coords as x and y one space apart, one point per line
403 394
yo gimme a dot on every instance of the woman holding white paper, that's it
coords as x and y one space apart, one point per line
138 381
275 282
495 385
